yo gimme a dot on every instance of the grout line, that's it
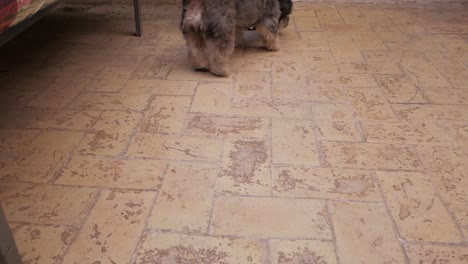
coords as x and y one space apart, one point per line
153 205
215 194
332 227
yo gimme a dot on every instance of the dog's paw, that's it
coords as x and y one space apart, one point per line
274 47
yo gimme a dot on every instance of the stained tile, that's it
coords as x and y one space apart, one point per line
302 251
436 254
110 79
112 228
15 140
367 229
48 204
419 214
41 160
227 126
407 133
60 93
173 248
418 112
271 108
159 87
335 122
330 93
288 143
152 68
422 72
113 173
245 168
253 84
437 95
375 67
371 156
57 119
172 147
184 202
270 217
447 168
106 101
166 114
324 183
371 104
187 73
460 132
214 98
111 134
345 51
30 240
398 89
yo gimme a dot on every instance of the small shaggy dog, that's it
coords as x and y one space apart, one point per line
212 28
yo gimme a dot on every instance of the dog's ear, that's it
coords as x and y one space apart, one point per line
286 7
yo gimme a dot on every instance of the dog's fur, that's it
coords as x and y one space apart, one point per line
211 27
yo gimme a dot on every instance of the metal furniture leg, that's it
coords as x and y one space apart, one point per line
137 7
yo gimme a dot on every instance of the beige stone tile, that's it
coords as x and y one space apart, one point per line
110 79
460 212
16 140
160 87
399 89
42 159
376 67
371 156
289 70
112 229
407 133
253 84
302 251
16 99
270 217
8 189
307 23
422 72
113 173
368 40
366 229
174 248
184 202
390 33
223 126
106 101
341 80
381 55
329 16
304 44
351 15
43 243
187 73
324 183
436 254
166 115
251 64
335 122
447 168
438 95
152 68
460 132
325 36
213 98
345 51
173 147
60 93
327 94
48 204
245 168
319 61
342 28
451 67
288 137
434 113
271 108
371 104
111 134
57 119
419 214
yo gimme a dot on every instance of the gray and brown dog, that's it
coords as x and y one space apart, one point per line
211 28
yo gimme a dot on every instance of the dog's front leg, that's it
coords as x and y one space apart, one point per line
218 51
268 29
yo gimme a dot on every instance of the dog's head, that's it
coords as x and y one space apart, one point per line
286 7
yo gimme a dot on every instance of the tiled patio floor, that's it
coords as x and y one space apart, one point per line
350 145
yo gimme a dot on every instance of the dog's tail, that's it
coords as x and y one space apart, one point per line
192 19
